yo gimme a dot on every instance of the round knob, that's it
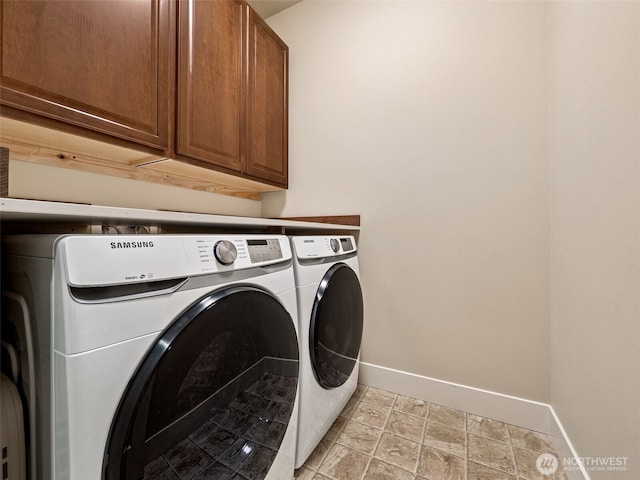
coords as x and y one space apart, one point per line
335 245
225 252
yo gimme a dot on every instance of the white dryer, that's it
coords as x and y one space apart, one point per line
156 356
331 317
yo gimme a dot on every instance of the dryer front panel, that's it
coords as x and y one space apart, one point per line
215 395
335 330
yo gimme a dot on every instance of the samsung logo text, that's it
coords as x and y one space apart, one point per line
116 245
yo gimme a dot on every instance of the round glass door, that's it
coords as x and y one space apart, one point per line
335 330
213 397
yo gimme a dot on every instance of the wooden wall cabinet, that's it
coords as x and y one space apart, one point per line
267 103
104 66
197 81
232 90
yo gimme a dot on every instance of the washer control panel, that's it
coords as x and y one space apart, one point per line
214 253
95 260
323 247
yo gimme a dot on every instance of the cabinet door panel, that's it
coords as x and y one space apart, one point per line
99 65
267 103
210 82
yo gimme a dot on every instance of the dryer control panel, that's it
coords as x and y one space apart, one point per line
323 247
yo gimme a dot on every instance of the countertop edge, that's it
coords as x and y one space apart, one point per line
13 209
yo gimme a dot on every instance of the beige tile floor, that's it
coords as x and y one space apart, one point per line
382 435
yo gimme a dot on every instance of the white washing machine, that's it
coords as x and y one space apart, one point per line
155 356
331 317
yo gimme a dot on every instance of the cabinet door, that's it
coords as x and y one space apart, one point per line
99 65
267 103
210 82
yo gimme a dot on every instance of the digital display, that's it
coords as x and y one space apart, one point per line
256 243
264 250
347 244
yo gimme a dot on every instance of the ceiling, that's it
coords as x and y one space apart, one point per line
266 8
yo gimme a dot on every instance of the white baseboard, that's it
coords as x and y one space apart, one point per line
505 408
497 406
565 450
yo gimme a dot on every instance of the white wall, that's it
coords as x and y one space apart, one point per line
430 120
595 250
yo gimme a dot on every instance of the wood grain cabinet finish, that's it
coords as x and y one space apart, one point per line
200 81
232 90
267 103
101 65
210 82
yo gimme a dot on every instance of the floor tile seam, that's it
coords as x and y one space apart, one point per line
483 437
464 456
403 437
445 408
356 403
341 429
366 468
466 466
321 462
362 400
492 466
465 446
411 418
537 452
347 416
337 442
375 448
384 392
324 456
410 414
540 434
426 422
372 455
378 404
427 404
513 452
446 425
398 466
415 474
366 387
515 461
386 420
365 424
440 450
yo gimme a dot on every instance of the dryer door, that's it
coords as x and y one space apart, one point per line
335 330
214 395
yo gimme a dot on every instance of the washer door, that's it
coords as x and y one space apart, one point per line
213 396
335 330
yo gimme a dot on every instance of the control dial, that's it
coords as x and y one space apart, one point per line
225 252
335 245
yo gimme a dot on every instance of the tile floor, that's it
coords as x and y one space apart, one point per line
384 436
